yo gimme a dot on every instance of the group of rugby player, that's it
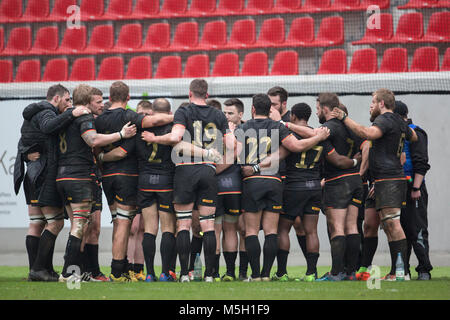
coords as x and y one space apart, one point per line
209 173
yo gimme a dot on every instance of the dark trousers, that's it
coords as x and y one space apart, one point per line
414 221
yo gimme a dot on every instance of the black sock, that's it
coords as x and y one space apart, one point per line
73 257
196 247
269 253
282 257
216 265
243 263
138 267
230 261
311 262
46 243
32 245
352 245
337 254
302 242
118 267
167 249
395 247
254 252
84 259
149 246
369 248
209 247
92 254
183 248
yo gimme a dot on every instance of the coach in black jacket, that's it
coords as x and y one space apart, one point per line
414 217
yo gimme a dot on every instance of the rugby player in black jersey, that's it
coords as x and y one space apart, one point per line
387 133
120 177
75 166
195 180
262 190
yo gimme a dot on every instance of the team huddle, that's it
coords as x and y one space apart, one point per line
208 172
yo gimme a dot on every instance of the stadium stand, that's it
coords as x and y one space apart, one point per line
56 70
394 60
226 65
285 63
29 71
364 61
73 42
425 59
197 66
83 69
169 67
111 68
47 41
255 64
6 71
446 62
333 62
139 67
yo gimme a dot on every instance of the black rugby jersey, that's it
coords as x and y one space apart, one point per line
154 158
346 143
205 128
111 121
257 136
384 160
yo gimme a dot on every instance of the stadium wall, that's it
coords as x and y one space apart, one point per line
428 108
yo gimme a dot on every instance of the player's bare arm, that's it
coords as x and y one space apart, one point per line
156 120
302 131
369 133
365 148
294 145
171 138
343 162
94 139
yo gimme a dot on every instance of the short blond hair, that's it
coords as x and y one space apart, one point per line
82 95
387 96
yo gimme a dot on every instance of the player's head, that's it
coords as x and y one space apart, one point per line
82 95
401 108
59 97
278 97
198 89
214 103
96 104
261 105
300 111
119 92
144 107
233 110
382 99
326 102
161 105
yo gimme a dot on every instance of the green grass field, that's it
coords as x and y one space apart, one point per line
13 285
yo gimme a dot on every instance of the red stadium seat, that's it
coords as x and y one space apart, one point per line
119 9
226 65
6 71
394 60
378 35
174 8
255 64
111 68
19 41
242 34
345 5
130 38
74 41
419 4
83 69
2 39
197 66
46 41
146 9
169 67
285 63
28 71
201 8
409 28
285 6
10 11
214 35
364 61
102 39
425 59
446 62
333 62
56 70
316 6
331 32
382 4
139 67
271 33
255 7
301 32
230 7
37 10
92 9
186 36
59 12
158 37
438 27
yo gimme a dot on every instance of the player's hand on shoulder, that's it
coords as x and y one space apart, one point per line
322 132
213 155
231 126
274 114
34 156
80 110
358 157
247 171
128 130
337 113
148 136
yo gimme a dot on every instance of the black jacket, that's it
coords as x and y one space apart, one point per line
419 151
39 134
